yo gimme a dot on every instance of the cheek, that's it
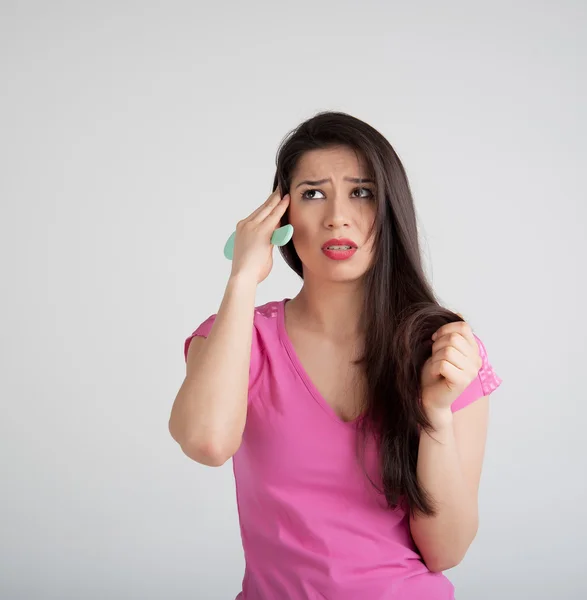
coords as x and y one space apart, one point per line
369 247
301 236
302 229
369 229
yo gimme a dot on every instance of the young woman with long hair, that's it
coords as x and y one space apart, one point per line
355 413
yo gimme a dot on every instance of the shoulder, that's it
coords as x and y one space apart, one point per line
484 384
266 321
264 341
266 315
265 326
489 380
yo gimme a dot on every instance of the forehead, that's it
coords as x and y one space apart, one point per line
319 163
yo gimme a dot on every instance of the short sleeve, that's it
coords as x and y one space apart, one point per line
204 329
487 381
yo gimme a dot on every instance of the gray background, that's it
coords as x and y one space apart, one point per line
135 135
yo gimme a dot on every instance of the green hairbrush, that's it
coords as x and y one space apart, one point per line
280 237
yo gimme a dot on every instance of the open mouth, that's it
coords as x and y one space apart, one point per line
339 249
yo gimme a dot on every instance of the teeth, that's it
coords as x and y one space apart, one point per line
339 247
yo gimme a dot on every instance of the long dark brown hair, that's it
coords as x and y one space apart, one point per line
401 311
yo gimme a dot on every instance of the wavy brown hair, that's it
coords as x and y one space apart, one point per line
401 311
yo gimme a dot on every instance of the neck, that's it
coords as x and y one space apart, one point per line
330 307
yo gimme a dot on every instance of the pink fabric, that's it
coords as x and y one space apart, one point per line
312 525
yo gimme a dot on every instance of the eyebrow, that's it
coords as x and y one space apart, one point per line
320 181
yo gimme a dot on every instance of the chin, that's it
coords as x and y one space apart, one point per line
341 275
335 271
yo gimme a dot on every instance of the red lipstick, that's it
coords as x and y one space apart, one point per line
339 248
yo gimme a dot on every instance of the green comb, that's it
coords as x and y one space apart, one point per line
280 237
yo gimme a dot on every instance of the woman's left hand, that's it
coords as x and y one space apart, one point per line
454 363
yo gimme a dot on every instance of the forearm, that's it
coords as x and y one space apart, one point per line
443 539
212 402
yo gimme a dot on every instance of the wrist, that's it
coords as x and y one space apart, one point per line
242 281
241 287
441 418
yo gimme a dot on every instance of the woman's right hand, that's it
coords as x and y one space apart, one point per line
253 250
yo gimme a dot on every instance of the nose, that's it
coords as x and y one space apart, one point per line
336 214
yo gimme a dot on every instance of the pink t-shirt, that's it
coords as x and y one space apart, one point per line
312 525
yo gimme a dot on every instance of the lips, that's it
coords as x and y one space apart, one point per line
339 248
339 242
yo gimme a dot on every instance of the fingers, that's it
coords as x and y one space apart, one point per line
273 218
265 210
274 197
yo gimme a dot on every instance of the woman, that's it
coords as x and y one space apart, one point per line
355 413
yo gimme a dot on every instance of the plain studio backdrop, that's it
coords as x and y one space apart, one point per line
133 137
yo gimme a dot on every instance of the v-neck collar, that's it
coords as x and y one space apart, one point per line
288 345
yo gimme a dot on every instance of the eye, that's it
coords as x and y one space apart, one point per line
371 195
304 197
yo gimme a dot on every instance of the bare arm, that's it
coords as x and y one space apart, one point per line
209 412
210 409
449 467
